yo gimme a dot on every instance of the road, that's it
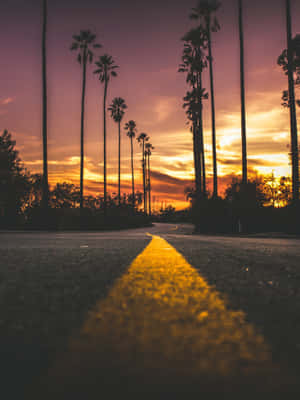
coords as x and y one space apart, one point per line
155 310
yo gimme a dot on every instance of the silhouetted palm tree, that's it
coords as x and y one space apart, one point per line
83 42
148 153
204 13
45 135
243 107
130 127
142 139
283 62
287 61
194 62
106 70
117 110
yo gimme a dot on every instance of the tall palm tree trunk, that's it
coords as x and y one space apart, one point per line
213 114
197 162
201 139
243 107
197 151
144 180
45 200
119 166
82 128
293 117
149 185
104 146
132 173
203 167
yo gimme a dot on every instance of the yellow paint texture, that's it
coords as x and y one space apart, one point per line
161 322
161 318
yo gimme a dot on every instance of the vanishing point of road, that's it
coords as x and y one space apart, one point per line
155 311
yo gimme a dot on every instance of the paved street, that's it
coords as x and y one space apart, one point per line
83 313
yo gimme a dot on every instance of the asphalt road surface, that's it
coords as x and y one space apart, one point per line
155 311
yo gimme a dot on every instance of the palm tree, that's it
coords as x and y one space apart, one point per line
194 62
292 105
193 106
130 127
204 12
291 67
44 128
106 70
148 153
83 42
117 110
243 108
142 139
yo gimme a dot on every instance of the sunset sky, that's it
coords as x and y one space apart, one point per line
144 39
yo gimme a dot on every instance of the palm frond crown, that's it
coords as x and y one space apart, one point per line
106 68
194 58
142 138
117 109
83 43
130 127
149 149
204 12
205 8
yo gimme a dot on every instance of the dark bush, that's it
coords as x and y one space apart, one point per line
212 216
221 216
85 219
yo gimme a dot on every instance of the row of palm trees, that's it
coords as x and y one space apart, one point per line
106 70
197 56
143 140
117 110
84 44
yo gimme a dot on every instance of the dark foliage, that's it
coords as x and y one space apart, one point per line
247 209
21 196
283 63
14 182
86 219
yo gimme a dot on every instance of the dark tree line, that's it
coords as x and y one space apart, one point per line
21 192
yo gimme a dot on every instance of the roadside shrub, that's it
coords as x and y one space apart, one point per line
85 219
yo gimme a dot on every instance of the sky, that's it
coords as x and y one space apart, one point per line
144 39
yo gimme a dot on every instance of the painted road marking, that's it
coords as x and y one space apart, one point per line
161 315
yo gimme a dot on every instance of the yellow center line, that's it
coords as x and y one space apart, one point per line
162 315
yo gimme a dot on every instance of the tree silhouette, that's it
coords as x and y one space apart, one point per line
193 105
148 153
83 43
13 178
106 70
204 13
45 200
194 61
283 62
142 139
64 195
117 110
130 127
243 107
289 60
35 191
